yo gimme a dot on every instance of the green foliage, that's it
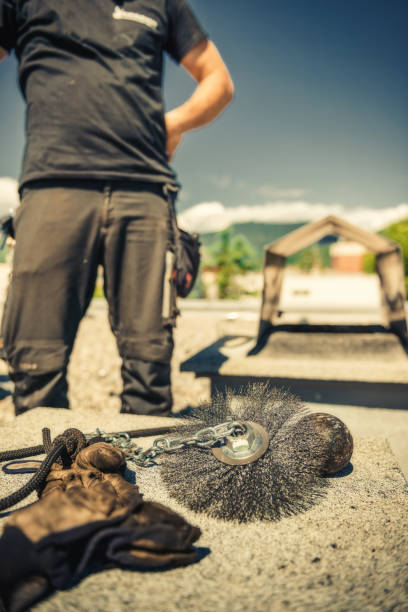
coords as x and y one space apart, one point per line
232 255
198 291
398 232
3 254
257 234
369 263
306 259
316 256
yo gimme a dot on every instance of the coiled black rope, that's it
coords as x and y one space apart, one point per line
34 482
63 450
22 453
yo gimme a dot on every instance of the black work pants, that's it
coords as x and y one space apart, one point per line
63 232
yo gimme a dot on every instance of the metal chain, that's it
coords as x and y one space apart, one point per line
204 438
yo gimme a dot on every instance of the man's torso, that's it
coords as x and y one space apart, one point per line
91 73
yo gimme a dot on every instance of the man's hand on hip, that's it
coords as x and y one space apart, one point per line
174 133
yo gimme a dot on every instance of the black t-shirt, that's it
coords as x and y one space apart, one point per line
91 74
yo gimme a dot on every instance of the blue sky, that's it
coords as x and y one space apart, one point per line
320 111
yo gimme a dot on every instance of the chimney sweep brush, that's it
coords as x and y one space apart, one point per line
258 455
273 467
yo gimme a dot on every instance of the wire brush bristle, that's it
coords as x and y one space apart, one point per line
284 481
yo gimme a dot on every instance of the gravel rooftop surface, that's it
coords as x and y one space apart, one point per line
348 553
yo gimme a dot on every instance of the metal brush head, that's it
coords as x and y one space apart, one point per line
286 477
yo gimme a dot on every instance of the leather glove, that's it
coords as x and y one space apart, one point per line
87 516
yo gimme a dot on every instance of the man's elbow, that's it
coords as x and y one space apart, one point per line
228 89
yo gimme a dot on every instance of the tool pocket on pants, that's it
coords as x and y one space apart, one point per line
169 309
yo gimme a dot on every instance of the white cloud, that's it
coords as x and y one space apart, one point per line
214 216
271 191
205 217
9 198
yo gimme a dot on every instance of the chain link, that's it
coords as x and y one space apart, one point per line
204 438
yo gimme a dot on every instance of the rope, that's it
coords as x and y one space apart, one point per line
73 441
63 450
21 453
46 434
34 482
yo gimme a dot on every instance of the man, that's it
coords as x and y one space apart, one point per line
96 186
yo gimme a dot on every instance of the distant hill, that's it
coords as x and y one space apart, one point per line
261 234
258 234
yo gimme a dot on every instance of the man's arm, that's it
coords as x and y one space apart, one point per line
213 93
3 53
